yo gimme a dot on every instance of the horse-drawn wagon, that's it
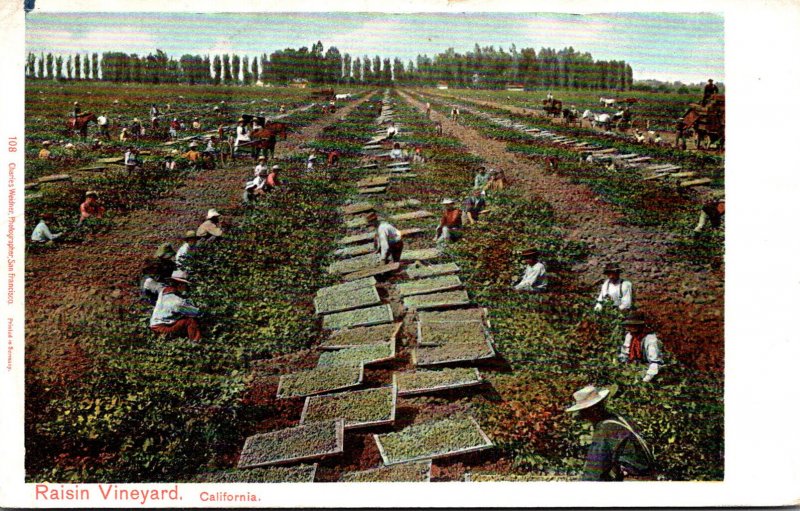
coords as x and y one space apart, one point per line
552 106
707 122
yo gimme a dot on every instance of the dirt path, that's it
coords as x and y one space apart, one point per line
686 301
668 137
70 288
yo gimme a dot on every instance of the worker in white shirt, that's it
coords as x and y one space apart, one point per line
189 241
388 240
641 346
396 153
615 289
391 131
41 233
311 159
102 125
242 135
173 314
535 276
260 166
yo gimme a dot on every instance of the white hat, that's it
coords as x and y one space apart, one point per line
447 201
193 144
276 167
69 146
312 156
588 396
211 214
180 276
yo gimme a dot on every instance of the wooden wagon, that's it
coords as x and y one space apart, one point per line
707 122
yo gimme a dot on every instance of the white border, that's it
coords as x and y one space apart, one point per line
762 349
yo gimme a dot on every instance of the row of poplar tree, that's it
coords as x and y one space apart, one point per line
483 67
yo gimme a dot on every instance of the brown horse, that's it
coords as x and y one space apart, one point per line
265 138
80 124
552 106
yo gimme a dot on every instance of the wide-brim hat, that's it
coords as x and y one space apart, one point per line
165 251
46 143
241 119
589 396
530 252
446 202
612 268
135 119
193 144
262 158
634 318
91 193
69 146
212 213
180 276
276 167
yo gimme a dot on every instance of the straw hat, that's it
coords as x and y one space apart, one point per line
180 276
587 397
46 143
634 318
276 167
530 252
190 235
312 156
446 202
165 251
69 146
611 268
211 214
261 158
91 193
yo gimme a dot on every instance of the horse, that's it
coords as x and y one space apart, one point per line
552 106
602 120
570 116
607 102
265 138
80 124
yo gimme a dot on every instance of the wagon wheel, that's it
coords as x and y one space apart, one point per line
225 154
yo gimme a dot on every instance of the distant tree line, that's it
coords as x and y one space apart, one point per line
483 67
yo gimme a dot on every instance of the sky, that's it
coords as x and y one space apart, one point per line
662 46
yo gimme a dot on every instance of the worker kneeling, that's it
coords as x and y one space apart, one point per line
535 276
449 228
174 315
640 346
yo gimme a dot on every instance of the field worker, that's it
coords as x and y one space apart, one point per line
262 164
311 159
173 314
131 162
156 273
76 110
454 113
102 125
428 110
41 233
439 128
709 90
473 205
641 345
449 228
96 144
549 96
136 128
193 155
174 126
189 242
535 276
210 229
211 146
388 240
124 135
481 179
617 451
711 212
417 157
196 124
396 153
44 152
154 113
615 289
169 162
497 180
391 130
91 207
282 109
333 158
242 135
272 178
221 132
